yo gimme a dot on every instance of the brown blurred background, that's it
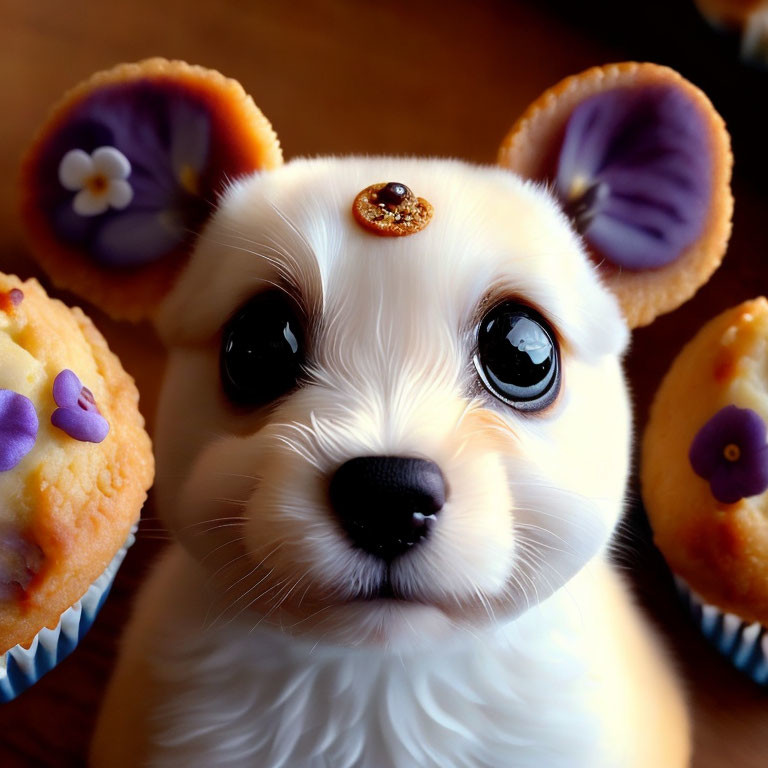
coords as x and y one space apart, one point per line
435 77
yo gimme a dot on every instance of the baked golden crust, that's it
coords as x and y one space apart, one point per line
135 293
719 549
531 147
74 500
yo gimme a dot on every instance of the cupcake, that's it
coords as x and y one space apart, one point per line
704 477
75 465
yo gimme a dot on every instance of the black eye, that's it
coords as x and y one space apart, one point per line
517 357
262 350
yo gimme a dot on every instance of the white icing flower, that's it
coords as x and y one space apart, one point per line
99 179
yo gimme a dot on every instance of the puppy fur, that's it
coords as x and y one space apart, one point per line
518 646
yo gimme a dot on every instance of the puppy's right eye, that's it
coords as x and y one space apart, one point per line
262 350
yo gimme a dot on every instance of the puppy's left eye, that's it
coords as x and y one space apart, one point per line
262 350
517 357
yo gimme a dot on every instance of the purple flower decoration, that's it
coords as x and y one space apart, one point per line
129 175
77 414
730 451
634 173
18 428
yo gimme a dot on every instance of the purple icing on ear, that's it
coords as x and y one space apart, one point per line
165 134
20 560
18 428
634 173
730 451
77 414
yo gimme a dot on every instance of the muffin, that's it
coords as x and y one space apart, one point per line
75 465
704 477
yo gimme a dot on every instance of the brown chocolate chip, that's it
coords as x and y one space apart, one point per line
393 193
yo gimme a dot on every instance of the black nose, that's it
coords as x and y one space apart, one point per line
387 504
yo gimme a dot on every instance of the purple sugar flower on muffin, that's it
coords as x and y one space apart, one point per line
77 414
730 451
18 428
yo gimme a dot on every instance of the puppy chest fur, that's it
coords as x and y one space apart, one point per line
523 695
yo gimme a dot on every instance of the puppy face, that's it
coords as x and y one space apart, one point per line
390 361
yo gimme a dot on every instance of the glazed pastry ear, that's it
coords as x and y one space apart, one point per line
641 163
127 170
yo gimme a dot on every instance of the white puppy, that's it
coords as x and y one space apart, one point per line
261 639
392 466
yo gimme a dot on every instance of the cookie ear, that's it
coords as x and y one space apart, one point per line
126 171
641 162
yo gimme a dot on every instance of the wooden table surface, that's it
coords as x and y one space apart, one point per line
434 77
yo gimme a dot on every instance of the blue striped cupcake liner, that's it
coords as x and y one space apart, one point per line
744 644
22 667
